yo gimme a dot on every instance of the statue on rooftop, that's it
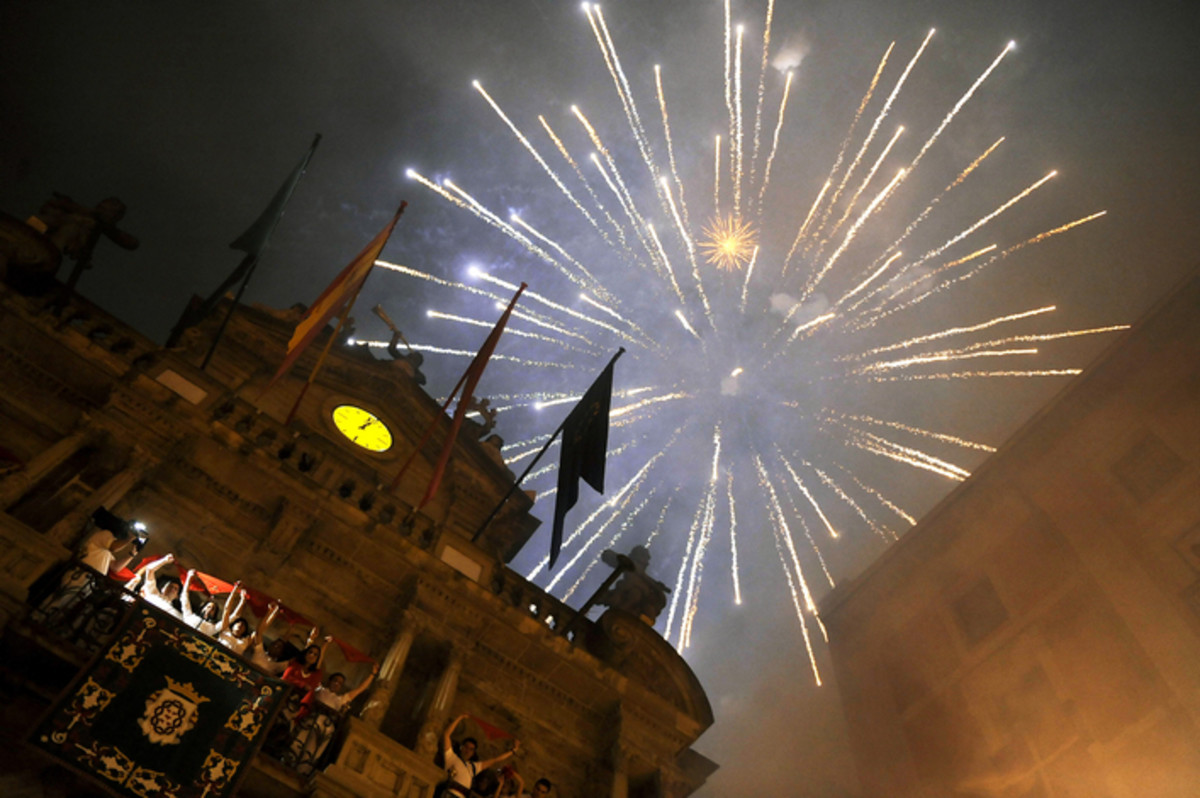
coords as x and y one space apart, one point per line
635 592
61 228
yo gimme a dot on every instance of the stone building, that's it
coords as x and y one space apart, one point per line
92 414
1038 633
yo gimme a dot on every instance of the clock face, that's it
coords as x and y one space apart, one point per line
362 427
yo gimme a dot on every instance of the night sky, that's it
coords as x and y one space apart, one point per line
193 114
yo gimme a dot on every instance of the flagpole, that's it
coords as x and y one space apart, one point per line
513 488
312 375
249 263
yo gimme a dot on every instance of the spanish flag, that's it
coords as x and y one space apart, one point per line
336 299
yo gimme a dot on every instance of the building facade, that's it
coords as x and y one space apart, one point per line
93 414
1038 633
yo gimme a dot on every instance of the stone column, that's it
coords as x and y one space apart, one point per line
18 484
107 494
389 672
443 696
620 770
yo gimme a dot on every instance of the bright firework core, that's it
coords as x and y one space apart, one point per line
729 242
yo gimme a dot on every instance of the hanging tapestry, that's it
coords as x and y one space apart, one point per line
162 711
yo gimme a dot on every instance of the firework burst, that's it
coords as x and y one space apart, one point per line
763 414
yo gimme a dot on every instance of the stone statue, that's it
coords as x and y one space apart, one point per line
635 592
73 230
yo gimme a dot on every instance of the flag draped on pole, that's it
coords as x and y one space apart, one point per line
467 383
252 242
584 446
335 300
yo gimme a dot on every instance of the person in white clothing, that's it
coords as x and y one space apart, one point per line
317 721
462 766
206 620
271 659
158 593
235 632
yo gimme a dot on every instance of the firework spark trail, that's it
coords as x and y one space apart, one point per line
946 267
607 504
881 499
938 436
662 104
631 112
848 499
967 375
882 115
728 88
833 533
739 152
717 176
994 259
815 279
837 162
895 256
588 282
706 530
950 332
612 542
924 214
437 314
691 249
525 142
587 184
1030 337
693 601
630 322
746 282
933 253
762 92
687 325
667 264
644 403
962 101
936 357
804 228
782 533
575 314
679 577
762 190
870 442
733 552
866 181
483 212
612 176
809 326
812 544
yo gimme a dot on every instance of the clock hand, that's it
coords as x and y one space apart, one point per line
369 423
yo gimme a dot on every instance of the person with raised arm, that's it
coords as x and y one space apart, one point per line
317 720
159 593
463 765
235 632
270 659
204 621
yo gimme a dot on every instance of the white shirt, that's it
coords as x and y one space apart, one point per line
460 772
97 551
237 645
259 657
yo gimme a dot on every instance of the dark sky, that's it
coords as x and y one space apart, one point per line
193 113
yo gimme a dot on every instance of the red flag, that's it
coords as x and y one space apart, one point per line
467 382
490 731
471 379
334 298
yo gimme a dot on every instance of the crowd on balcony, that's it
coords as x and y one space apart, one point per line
83 601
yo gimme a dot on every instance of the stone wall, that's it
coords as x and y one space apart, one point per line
1038 633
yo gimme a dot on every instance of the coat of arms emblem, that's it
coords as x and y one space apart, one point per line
171 712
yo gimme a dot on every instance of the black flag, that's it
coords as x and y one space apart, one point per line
584 446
